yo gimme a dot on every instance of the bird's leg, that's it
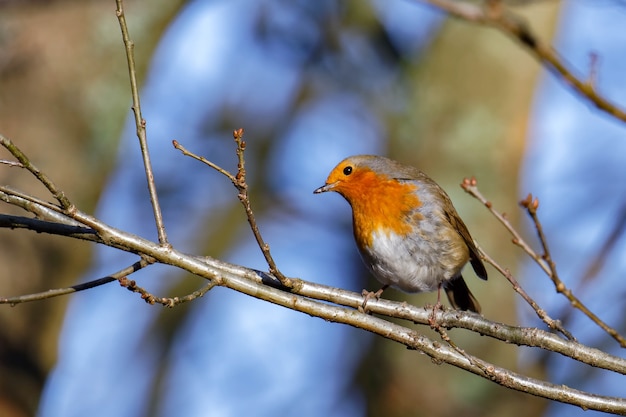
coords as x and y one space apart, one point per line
437 306
368 295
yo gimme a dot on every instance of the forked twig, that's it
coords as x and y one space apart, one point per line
239 181
43 178
531 205
470 186
545 261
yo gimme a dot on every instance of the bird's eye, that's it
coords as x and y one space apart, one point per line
347 170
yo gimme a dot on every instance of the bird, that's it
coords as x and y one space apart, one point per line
407 231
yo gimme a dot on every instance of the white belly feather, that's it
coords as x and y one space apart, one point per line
403 263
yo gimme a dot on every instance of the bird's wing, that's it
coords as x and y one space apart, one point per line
455 220
475 260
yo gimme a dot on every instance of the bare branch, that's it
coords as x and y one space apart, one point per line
70 229
202 159
140 123
470 186
603 252
544 261
27 202
301 298
170 302
11 163
514 26
43 178
239 181
541 313
243 196
531 207
75 288
255 283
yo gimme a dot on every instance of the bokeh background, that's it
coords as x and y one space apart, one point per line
311 83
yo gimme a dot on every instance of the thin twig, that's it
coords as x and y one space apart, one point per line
470 186
202 159
514 26
239 181
434 324
43 178
603 253
543 315
544 261
531 205
76 288
243 196
140 123
592 78
27 201
170 302
11 163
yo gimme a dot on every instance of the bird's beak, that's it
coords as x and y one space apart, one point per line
324 188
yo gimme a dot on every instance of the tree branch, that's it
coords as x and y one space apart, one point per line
140 123
313 299
494 14
531 208
470 186
239 181
43 178
75 288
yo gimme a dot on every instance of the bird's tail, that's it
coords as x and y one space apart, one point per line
460 295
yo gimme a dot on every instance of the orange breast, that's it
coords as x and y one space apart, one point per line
380 203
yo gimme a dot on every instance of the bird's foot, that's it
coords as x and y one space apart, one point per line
431 319
368 295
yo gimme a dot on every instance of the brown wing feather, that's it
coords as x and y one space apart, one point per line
477 264
457 223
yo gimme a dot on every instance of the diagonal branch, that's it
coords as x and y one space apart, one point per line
470 186
541 313
496 15
76 288
544 261
39 208
531 208
43 178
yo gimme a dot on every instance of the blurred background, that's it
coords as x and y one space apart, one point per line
311 83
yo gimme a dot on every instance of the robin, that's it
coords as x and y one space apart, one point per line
406 228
